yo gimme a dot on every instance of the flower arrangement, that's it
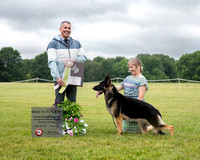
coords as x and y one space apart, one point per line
72 123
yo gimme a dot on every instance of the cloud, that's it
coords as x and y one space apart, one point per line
104 27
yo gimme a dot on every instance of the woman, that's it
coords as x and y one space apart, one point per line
135 86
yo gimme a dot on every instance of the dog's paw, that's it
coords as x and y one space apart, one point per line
161 133
119 133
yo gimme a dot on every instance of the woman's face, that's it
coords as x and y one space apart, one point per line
134 70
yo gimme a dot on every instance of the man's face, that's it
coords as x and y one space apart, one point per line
65 30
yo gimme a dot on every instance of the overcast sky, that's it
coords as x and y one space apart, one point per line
106 28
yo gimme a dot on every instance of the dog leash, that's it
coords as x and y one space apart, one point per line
114 122
112 116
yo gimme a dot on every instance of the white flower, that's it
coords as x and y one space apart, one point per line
82 121
69 131
84 130
85 125
64 132
67 127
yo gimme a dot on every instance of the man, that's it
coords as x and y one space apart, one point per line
63 47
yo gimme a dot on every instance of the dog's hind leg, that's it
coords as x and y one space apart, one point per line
150 127
167 127
118 121
158 124
143 126
163 126
160 132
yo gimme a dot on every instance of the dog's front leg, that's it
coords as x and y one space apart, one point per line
118 121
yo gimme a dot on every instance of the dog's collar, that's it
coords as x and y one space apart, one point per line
106 89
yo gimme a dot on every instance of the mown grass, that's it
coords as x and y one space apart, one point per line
179 107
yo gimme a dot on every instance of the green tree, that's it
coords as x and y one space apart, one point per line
27 67
197 74
107 66
39 67
121 68
152 66
11 65
98 59
92 71
97 69
168 65
188 66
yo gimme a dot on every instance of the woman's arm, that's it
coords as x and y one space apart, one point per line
142 90
119 87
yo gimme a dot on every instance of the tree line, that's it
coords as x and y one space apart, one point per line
156 66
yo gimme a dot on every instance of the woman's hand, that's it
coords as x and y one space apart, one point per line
119 87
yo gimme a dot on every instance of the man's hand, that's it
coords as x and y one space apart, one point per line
60 82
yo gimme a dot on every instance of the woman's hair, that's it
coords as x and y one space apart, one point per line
136 62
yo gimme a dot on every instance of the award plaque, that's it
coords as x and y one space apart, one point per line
46 122
72 76
76 74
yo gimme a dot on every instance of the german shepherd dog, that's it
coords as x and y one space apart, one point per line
123 107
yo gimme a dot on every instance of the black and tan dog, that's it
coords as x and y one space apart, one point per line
123 107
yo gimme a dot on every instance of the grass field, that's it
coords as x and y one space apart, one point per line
179 107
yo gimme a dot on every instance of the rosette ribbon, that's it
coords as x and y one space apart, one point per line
68 64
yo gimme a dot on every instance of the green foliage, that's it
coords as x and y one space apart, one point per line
74 126
188 66
98 59
93 71
168 64
121 68
72 123
27 68
11 65
158 66
96 69
39 67
70 109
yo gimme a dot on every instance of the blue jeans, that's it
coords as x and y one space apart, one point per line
70 93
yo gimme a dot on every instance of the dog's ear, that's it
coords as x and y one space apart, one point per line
106 77
108 80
